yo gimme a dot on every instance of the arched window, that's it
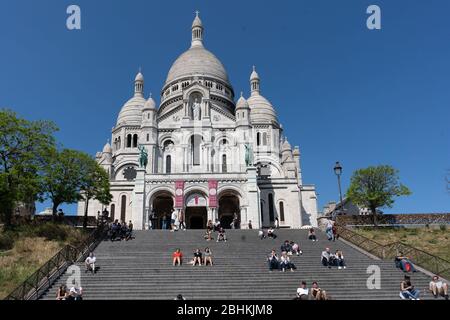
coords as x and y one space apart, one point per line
123 208
112 211
195 149
148 137
264 140
169 164
135 141
271 211
129 141
118 143
224 163
281 211
258 139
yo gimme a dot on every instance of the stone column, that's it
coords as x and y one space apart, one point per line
253 210
244 220
138 196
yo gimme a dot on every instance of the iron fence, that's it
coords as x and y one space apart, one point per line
432 263
40 281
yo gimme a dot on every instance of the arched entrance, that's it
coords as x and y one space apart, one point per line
162 208
229 209
195 211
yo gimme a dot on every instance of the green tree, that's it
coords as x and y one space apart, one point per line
23 147
63 176
95 185
376 187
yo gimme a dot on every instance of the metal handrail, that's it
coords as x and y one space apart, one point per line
41 280
428 261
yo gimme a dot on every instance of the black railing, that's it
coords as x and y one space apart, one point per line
432 263
40 281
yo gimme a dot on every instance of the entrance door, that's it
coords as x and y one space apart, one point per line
228 210
196 217
163 208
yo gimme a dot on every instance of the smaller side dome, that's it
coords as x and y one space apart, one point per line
242 103
107 148
286 146
150 104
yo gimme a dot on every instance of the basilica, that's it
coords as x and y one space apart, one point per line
208 156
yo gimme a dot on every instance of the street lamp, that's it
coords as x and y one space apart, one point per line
338 172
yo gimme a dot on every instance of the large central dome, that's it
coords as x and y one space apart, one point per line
197 61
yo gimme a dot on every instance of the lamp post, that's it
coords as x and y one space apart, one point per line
338 172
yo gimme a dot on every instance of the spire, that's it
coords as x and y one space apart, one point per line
139 84
150 103
197 31
254 82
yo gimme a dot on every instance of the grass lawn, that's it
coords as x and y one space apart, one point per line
33 246
431 240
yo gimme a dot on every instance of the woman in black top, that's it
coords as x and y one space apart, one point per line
197 257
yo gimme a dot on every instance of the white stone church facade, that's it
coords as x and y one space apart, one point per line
196 142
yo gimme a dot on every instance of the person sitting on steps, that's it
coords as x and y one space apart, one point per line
286 247
208 235
317 293
210 226
404 263
61 293
177 257
295 248
326 258
407 290
302 292
271 234
273 261
261 234
438 288
221 236
286 263
75 294
90 263
208 257
197 257
312 235
339 258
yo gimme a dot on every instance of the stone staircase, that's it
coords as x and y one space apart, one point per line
142 269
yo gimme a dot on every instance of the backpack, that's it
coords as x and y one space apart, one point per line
407 267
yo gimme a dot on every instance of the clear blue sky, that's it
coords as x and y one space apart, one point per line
342 92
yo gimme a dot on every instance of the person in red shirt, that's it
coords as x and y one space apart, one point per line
177 257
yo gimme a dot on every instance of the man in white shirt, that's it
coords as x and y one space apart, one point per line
90 262
439 288
326 258
174 218
303 292
75 294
